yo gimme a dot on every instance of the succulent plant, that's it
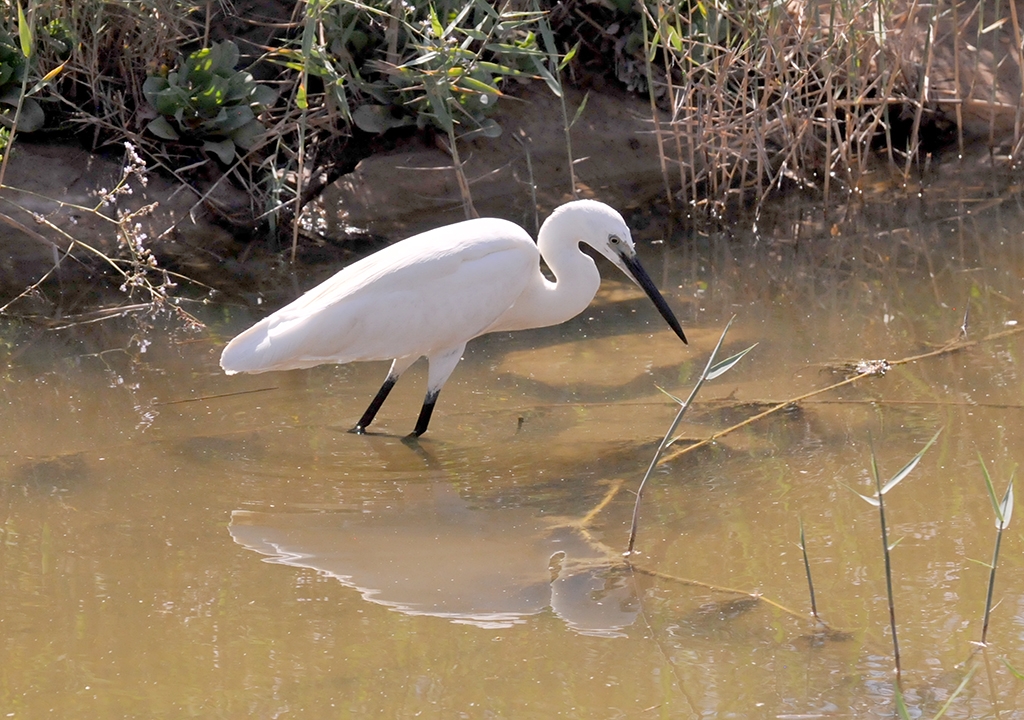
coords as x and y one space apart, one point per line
205 99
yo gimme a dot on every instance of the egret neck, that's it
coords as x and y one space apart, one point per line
543 302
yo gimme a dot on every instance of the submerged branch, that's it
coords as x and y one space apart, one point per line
954 346
951 347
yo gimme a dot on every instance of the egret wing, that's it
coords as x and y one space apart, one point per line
424 297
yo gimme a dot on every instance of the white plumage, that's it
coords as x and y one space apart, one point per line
430 294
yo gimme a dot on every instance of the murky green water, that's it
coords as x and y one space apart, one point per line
167 550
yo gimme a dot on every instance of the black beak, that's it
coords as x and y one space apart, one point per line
644 281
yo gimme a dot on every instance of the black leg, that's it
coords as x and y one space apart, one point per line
378 400
425 412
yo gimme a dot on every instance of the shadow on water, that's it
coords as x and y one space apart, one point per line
481 575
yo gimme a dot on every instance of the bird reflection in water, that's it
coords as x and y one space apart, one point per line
433 554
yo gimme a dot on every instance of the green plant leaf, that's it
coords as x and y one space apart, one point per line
263 96
235 117
224 150
213 96
210 125
24 33
551 80
248 135
46 79
722 367
963 684
239 86
666 392
439 108
216 59
491 68
11 96
457 20
983 563
652 49
473 84
370 118
675 39
153 85
423 59
378 119
170 101
548 37
515 51
989 486
869 500
901 705
227 57
1005 509
569 56
200 63
488 128
32 117
162 128
435 23
908 468
580 109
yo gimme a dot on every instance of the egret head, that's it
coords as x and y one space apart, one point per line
603 229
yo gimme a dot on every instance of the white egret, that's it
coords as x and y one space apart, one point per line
430 294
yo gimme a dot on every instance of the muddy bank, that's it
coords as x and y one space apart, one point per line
54 195
53 225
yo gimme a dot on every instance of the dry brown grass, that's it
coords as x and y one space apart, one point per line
812 94
745 96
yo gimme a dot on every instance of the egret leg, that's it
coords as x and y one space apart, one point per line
441 367
425 413
378 400
399 366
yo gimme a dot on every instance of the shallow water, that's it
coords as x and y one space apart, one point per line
171 545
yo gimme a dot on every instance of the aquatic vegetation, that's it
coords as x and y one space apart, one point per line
206 99
1004 511
711 371
878 500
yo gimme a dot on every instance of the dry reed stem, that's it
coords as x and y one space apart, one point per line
787 96
645 17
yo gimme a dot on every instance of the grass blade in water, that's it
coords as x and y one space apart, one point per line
910 465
